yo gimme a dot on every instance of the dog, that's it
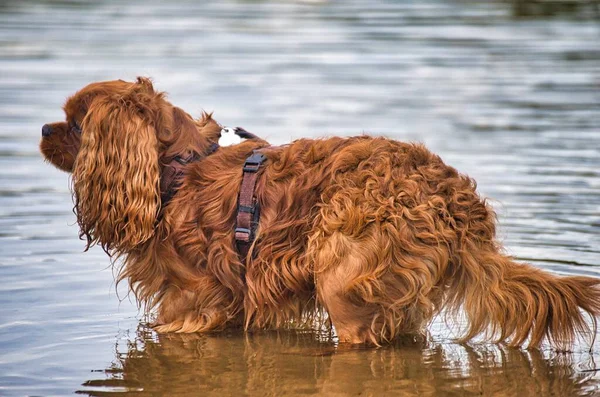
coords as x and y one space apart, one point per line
370 235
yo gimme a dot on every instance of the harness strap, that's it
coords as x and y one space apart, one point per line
248 212
170 178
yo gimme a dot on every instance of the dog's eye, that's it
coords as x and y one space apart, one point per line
76 128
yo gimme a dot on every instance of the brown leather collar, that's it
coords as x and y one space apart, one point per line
170 178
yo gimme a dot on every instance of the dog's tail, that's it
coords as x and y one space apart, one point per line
512 302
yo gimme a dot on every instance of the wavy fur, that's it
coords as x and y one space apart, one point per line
379 234
116 193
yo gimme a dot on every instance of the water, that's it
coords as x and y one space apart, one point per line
512 101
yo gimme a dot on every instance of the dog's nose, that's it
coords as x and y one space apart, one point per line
46 130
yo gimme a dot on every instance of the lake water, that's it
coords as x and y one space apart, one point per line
513 101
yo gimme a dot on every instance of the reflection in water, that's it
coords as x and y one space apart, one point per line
303 363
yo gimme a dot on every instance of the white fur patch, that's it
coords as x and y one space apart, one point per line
229 137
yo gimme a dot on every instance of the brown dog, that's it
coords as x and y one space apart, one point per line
379 234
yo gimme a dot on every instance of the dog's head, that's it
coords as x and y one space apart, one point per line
116 138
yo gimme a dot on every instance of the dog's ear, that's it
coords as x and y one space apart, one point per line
116 173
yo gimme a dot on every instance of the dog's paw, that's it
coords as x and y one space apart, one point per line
169 327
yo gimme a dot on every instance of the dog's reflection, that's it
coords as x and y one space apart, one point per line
306 363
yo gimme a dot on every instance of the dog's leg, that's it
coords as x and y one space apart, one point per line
205 309
370 291
352 320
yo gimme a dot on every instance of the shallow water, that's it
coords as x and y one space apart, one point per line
512 101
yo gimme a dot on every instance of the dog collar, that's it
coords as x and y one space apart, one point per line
170 178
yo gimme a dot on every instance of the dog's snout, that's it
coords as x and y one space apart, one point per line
46 130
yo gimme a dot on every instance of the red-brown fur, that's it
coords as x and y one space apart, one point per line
379 234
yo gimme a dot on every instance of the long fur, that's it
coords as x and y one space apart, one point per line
380 235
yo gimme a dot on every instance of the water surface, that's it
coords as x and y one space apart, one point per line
509 98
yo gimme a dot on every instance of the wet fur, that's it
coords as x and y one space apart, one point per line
379 234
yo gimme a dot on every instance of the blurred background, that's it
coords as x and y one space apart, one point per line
506 91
